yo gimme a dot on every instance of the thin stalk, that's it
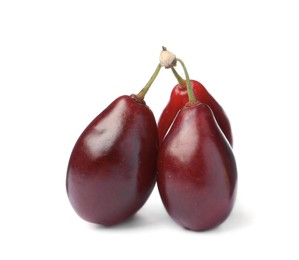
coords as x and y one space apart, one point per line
180 80
188 83
143 92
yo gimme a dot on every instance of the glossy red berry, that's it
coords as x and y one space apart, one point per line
197 174
112 168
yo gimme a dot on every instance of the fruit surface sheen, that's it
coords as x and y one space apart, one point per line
112 168
197 174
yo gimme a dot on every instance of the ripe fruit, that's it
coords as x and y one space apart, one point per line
197 173
196 170
112 168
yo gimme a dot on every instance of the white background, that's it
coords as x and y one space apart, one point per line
62 62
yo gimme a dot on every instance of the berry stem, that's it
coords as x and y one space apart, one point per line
143 92
180 80
188 83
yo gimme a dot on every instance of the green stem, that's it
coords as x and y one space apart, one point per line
188 83
180 80
143 92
